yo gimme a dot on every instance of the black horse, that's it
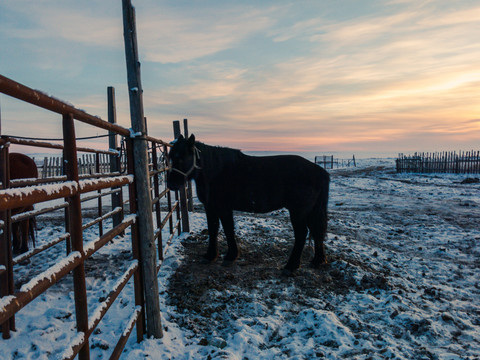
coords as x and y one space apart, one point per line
229 180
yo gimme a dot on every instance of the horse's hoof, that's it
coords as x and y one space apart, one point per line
228 263
318 264
208 259
287 272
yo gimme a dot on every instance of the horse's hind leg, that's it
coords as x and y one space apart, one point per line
300 230
317 223
213 225
228 228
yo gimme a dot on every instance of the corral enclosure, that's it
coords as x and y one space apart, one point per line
138 164
29 275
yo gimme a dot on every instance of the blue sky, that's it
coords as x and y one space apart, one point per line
272 75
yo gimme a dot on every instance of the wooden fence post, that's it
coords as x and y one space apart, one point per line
142 179
182 191
76 234
138 276
114 163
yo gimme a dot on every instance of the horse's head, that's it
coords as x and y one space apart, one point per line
183 159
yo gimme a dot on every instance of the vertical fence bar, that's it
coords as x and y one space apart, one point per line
169 194
68 242
156 193
189 182
6 279
99 200
76 235
182 191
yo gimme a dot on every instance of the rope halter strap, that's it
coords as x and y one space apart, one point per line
196 154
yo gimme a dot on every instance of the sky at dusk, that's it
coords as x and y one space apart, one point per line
393 76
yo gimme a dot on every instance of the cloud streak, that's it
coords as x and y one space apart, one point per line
275 76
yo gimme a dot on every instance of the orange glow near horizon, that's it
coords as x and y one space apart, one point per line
384 76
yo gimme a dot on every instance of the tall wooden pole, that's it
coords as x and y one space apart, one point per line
142 179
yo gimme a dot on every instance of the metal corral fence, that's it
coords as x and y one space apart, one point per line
69 186
328 161
463 162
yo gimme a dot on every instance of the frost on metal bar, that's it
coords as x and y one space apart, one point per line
5 301
117 288
101 218
13 198
52 273
29 291
92 246
96 184
31 213
75 346
39 249
126 333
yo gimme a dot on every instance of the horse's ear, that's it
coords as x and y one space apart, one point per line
191 140
180 137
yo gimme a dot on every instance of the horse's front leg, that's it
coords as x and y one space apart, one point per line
213 224
228 227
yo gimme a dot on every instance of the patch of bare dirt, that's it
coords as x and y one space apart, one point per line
258 271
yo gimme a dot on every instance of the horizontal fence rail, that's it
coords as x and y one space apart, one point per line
77 180
40 99
463 162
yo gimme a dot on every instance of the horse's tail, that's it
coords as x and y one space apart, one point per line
324 191
320 214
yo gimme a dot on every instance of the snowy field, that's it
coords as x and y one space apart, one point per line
403 282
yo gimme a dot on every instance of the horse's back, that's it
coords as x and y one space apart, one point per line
290 170
263 184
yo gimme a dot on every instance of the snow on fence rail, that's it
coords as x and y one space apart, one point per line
69 184
463 162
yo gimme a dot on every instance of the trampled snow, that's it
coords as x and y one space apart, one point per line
402 282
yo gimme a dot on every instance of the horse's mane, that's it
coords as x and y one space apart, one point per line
214 159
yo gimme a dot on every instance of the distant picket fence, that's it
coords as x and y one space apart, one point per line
463 162
329 162
88 164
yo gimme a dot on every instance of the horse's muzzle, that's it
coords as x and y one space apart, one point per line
175 184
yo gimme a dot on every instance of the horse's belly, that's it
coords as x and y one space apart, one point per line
257 204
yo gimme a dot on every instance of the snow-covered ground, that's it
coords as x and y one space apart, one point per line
402 282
